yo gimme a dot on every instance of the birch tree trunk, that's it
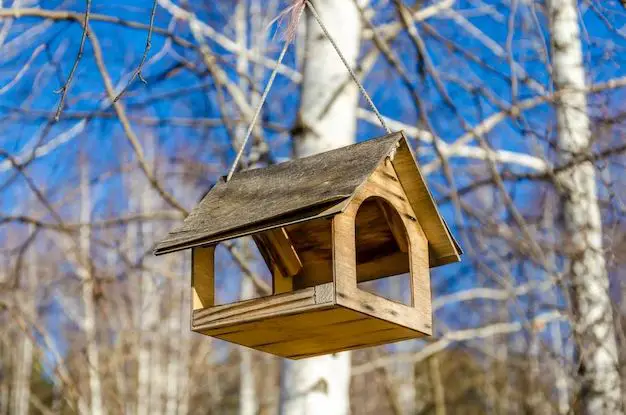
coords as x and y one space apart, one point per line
175 340
24 362
562 381
327 119
593 317
439 396
151 370
403 372
184 344
248 404
247 385
131 247
87 280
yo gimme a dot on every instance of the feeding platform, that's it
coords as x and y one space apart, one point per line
322 224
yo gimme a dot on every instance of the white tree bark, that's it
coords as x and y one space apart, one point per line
23 370
248 402
175 341
328 118
593 317
184 344
131 246
88 285
439 396
24 361
561 381
151 366
6 356
144 346
320 385
403 373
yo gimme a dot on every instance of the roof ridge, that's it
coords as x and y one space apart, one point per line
396 135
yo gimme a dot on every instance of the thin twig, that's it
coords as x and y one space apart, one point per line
145 54
66 86
128 131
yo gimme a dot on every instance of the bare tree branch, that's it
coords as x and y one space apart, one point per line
65 88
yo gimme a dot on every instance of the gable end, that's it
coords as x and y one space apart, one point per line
442 247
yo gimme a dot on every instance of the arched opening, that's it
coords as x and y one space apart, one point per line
382 251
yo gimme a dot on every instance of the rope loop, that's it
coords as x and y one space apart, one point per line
257 112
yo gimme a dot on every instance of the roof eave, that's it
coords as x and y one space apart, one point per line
313 212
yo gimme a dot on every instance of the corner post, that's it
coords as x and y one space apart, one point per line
203 277
344 252
421 296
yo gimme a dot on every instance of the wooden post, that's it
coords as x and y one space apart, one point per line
203 277
344 251
420 273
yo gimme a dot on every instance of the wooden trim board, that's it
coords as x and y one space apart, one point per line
384 184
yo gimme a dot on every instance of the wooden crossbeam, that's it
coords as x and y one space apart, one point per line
281 258
395 224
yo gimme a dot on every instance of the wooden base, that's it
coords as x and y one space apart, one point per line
300 324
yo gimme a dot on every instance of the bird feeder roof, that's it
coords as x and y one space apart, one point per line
303 189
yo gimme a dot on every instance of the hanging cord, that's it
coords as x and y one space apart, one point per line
258 109
352 74
273 76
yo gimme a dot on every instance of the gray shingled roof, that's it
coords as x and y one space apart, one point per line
284 193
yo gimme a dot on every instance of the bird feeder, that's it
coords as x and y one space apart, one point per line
322 224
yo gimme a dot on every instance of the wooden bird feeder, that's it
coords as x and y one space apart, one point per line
322 224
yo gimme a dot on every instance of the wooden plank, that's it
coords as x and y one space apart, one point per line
354 346
258 308
284 328
203 277
316 271
315 212
257 304
341 336
344 252
304 322
281 258
313 242
386 266
395 224
421 295
288 258
325 293
280 282
297 349
380 307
